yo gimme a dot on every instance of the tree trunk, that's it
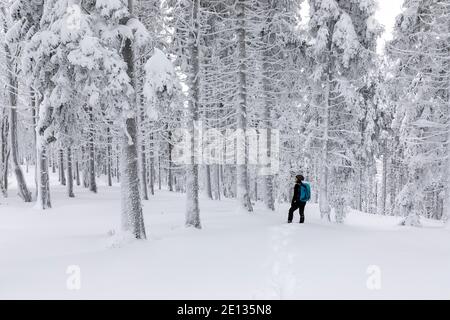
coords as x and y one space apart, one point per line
359 202
5 177
144 172
152 166
43 197
393 177
384 181
69 174
77 173
242 185
91 153
143 162
52 163
208 182
43 192
370 190
446 200
316 179
256 186
159 173
62 174
375 198
170 174
192 185
324 206
85 167
218 181
269 199
4 155
132 216
117 169
34 113
24 193
109 155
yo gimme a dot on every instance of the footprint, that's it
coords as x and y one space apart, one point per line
282 281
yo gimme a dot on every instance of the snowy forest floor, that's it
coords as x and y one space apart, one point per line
235 256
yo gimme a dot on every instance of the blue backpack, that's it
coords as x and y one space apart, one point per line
305 192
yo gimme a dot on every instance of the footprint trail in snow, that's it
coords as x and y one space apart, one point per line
282 280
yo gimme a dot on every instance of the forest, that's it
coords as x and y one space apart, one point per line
217 106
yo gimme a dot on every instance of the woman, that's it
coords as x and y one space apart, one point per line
302 194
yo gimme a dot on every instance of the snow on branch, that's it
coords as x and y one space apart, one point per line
161 79
115 9
346 39
140 33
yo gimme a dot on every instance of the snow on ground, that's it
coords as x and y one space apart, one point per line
234 256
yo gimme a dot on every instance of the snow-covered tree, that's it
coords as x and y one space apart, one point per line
78 63
123 32
12 52
277 25
342 47
419 51
188 31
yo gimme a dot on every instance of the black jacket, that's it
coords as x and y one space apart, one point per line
296 193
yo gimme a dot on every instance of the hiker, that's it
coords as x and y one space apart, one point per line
302 194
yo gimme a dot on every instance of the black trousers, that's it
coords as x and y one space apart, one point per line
294 206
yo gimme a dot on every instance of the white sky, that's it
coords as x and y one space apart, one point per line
386 13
